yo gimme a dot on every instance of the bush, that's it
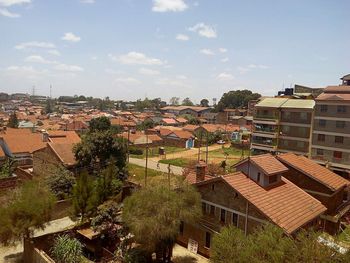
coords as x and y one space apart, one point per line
136 151
67 249
136 255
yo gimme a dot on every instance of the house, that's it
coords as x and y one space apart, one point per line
141 139
169 122
183 110
178 138
329 188
256 194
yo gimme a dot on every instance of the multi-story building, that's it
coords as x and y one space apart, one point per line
331 129
282 125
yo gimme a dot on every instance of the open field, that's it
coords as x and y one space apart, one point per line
153 152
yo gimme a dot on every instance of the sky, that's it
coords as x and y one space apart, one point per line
131 49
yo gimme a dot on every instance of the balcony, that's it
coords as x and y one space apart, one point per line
266 116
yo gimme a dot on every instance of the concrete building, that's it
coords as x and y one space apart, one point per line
331 129
282 125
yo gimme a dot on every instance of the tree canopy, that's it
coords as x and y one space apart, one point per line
174 101
13 121
154 215
236 99
204 103
187 102
100 124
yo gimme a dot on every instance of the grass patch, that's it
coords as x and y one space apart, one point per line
345 235
230 152
153 152
182 162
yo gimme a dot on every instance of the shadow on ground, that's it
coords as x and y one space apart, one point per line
184 259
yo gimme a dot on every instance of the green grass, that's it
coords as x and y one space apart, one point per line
182 162
230 152
153 152
345 235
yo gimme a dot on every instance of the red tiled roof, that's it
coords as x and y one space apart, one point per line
190 127
337 89
64 137
64 151
169 121
182 134
268 163
286 205
181 120
314 170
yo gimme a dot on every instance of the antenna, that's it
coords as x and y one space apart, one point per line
50 91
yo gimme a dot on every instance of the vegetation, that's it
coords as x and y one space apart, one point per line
236 99
182 162
154 104
187 102
13 121
61 182
204 103
29 209
270 244
48 107
174 101
154 215
7 168
100 124
67 250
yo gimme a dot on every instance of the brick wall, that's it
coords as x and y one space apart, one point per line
44 160
12 182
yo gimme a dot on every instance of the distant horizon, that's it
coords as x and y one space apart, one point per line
129 50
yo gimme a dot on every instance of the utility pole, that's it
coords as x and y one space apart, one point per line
127 145
50 91
146 167
200 143
206 153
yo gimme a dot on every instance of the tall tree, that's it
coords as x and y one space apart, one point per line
187 102
29 209
84 198
99 124
13 121
204 103
236 99
48 107
174 101
154 215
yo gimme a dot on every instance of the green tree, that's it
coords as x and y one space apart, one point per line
174 101
187 102
7 168
204 103
61 182
99 124
29 209
67 250
154 215
13 121
84 198
48 107
236 99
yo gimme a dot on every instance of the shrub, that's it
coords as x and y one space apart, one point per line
67 249
136 151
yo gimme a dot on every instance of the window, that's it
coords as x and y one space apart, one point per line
324 108
321 137
272 179
223 215
340 124
204 208
322 123
287 115
338 139
319 152
234 219
207 239
258 177
341 109
181 228
212 210
337 154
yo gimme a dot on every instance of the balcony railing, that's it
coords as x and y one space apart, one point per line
266 116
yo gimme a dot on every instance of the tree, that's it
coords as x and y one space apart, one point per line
154 215
187 102
7 168
99 124
67 250
174 101
204 103
84 199
270 244
191 119
98 147
61 182
29 209
48 108
13 121
236 99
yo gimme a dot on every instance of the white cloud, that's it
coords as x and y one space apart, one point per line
69 68
94 58
19 72
87 1
169 5
34 44
207 51
71 37
182 37
224 60
243 70
222 50
14 2
7 13
147 71
54 52
172 82
224 76
136 58
39 59
204 30
127 81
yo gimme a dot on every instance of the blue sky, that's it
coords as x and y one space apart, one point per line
129 49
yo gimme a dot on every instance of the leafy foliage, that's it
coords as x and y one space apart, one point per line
187 102
7 168
174 101
204 103
13 121
236 99
100 124
154 214
29 208
61 182
67 249
269 244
